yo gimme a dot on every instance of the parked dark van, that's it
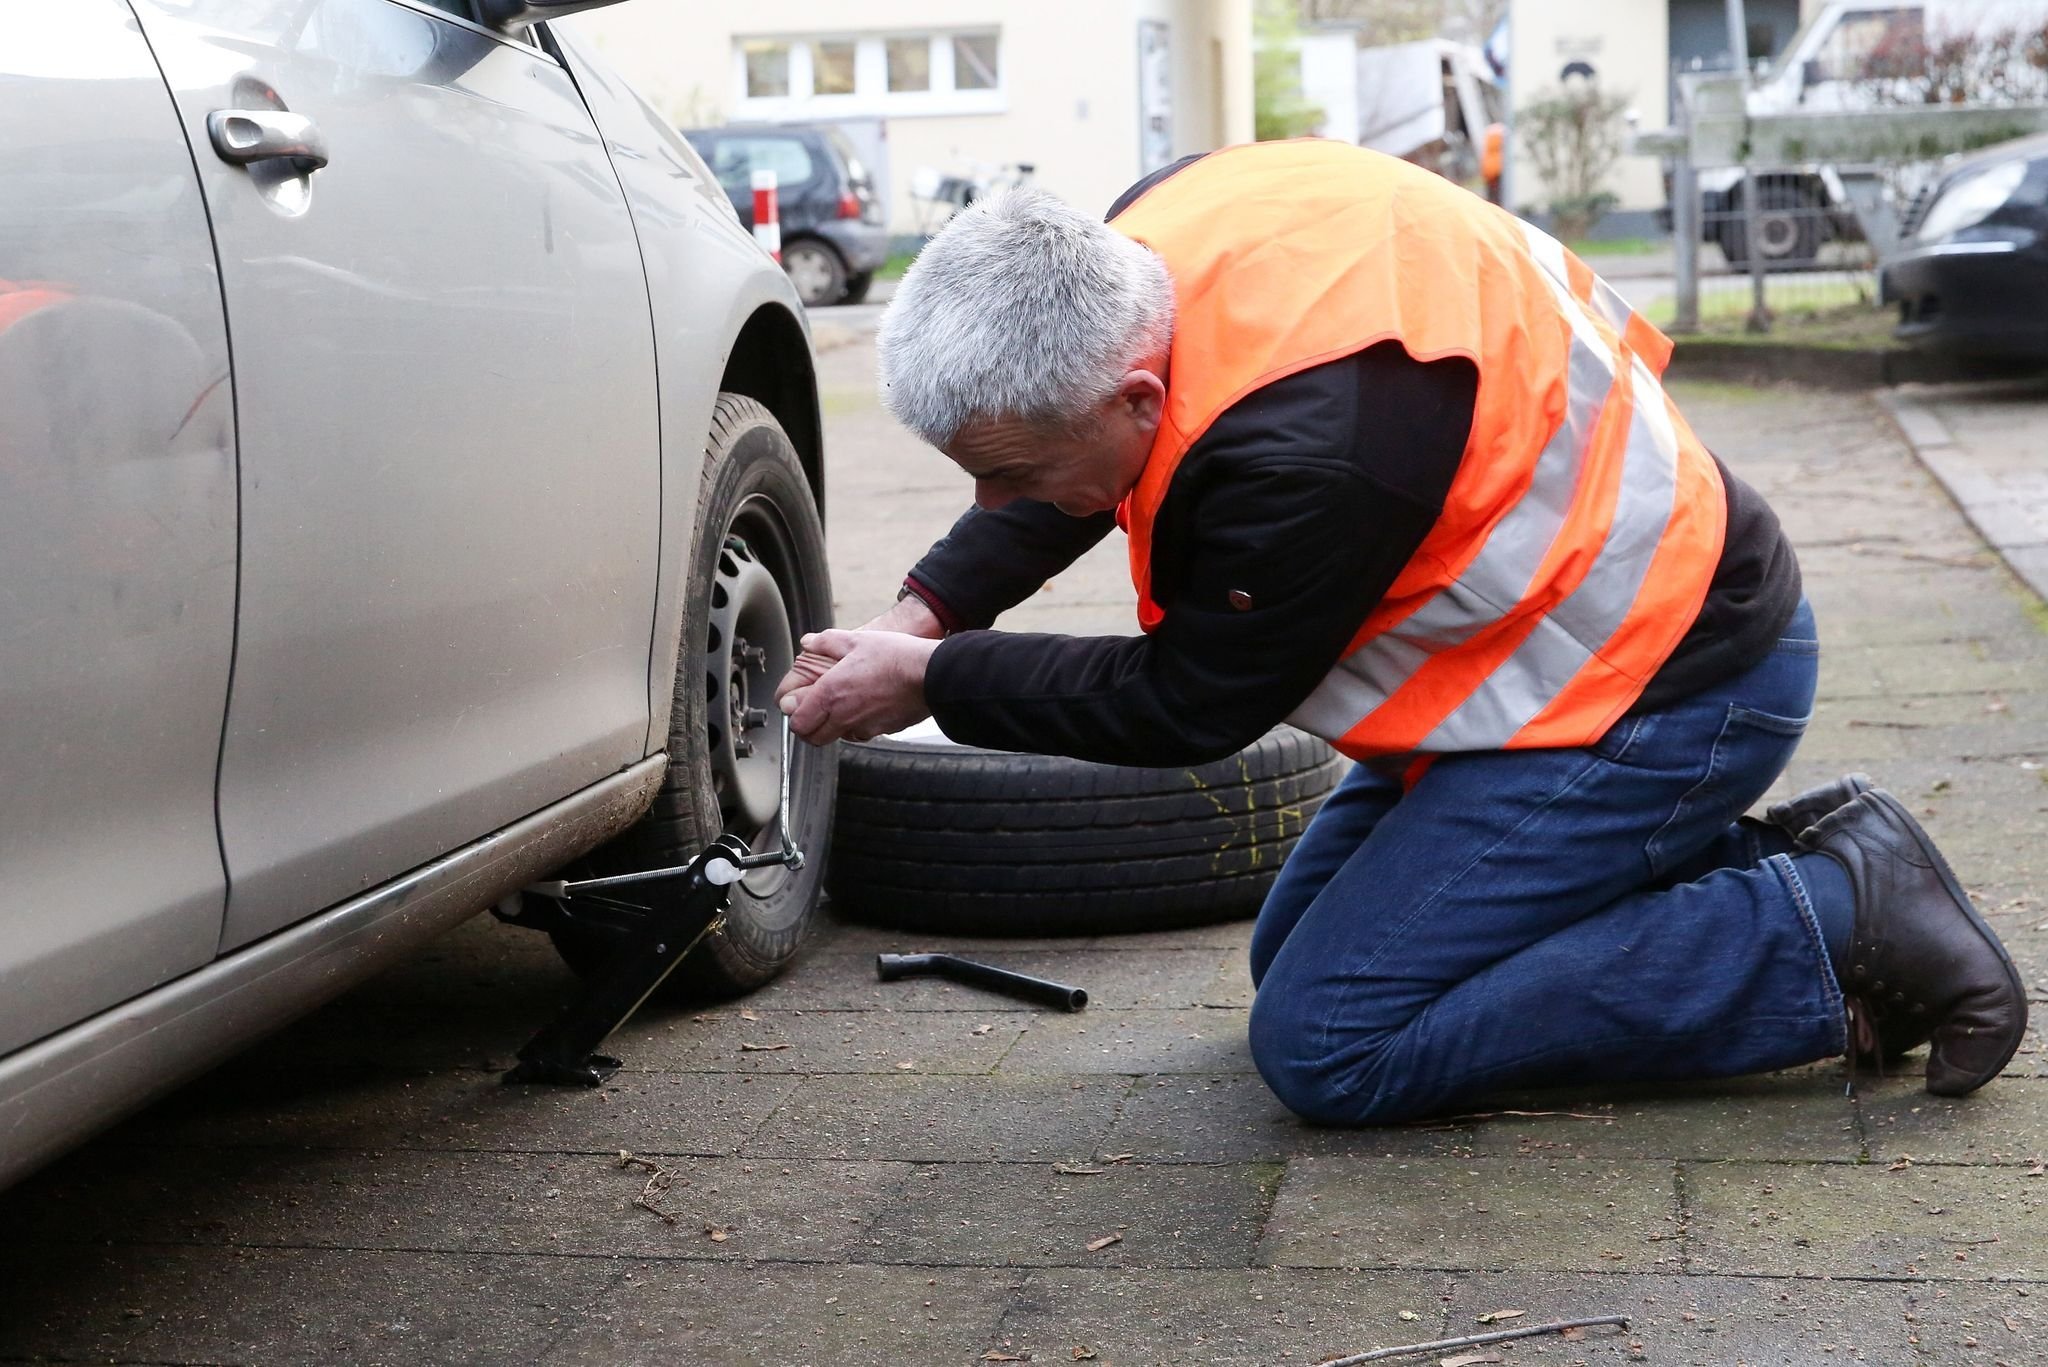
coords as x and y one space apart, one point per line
833 231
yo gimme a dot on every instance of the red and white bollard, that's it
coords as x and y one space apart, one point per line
767 214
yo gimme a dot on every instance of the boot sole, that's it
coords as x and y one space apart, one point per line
1962 899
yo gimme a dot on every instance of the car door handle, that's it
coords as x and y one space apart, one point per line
242 136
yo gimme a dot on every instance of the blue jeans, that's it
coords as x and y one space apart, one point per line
1546 917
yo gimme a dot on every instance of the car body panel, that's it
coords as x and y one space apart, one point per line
706 282
1982 290
55 1092
117 527
435 638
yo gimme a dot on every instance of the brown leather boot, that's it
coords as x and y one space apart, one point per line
1795 815
1922 965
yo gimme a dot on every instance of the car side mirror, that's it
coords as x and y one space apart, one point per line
505 14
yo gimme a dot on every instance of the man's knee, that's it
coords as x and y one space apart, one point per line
1309 1077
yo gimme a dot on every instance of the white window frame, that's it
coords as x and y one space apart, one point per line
871 95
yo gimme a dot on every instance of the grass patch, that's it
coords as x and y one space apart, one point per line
1832 313
893 268
1617 246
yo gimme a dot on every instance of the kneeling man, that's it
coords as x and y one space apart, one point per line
1398 468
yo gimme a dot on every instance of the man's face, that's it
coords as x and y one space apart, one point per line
1079 473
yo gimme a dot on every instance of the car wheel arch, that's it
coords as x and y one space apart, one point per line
770 362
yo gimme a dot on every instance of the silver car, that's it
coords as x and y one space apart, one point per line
410 484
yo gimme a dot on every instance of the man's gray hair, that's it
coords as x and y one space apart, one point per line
1022 308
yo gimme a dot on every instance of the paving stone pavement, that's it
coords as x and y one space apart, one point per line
925 1173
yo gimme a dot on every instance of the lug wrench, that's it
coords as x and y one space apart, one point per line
889 967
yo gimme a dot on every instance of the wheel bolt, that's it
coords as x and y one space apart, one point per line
754 718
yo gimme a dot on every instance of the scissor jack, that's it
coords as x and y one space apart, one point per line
651 942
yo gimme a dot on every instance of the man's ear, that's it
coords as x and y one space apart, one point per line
1143 395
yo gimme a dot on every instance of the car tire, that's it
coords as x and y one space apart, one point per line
933 836
857 286
1790 228
816 271
757 581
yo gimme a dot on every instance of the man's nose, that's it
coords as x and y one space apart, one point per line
987 495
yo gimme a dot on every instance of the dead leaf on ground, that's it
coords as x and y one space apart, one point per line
993 1355
1410 1316
1077 1170
1469 1359
1496 1316
748 1016
719 1233
746 1048
981 1029
906 1065
1082 1352
1572 1334
1097 1245
1120 1158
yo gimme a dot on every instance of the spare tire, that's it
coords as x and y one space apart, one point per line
933 836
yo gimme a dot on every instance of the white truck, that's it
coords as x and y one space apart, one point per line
1869 54
1428 102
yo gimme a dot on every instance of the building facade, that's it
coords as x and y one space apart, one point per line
1091 94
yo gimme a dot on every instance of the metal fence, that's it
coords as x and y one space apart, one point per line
1814 254
1789 211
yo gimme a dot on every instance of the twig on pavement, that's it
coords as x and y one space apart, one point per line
657 1184
1474 1340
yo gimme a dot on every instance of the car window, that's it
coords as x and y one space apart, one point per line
856 169
735 159
1875 44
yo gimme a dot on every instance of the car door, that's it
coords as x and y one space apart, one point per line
117 526
449 461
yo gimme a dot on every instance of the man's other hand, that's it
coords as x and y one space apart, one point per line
855 685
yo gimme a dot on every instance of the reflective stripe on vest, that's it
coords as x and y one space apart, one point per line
1585 521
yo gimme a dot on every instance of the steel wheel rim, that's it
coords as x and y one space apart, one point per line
749 647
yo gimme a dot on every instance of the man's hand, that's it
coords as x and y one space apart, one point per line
855 685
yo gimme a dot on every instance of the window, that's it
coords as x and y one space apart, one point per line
974 61
767 69
910 63
1875 44
832 68
735 159
832 76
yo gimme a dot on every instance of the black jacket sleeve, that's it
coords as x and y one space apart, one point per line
1285 524
995 558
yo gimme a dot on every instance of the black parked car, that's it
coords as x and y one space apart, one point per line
833 236
1971 271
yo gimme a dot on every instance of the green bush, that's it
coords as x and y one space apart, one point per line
1573 138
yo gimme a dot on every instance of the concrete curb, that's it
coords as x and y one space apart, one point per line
1983 500
1842 368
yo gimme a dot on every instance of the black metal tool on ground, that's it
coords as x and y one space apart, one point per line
657 938
890 967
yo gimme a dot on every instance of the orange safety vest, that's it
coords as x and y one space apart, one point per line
1585 522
